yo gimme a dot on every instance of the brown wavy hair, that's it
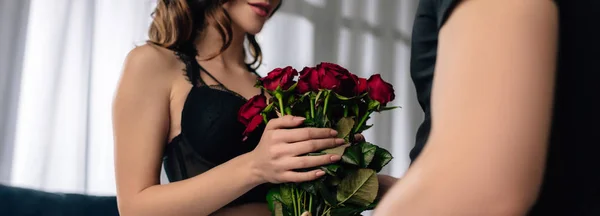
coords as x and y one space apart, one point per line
177 23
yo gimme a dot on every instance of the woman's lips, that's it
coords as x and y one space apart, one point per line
261 9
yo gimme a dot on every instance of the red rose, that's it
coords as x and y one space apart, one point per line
338 70
361 86
249 113
327 80
380 90
308 80
314 79
348 82
254 123
283 77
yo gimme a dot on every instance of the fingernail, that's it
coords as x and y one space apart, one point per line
299 118
339 141
335 157
334 132
320 173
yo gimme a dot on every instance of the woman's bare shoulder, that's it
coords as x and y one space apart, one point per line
150 63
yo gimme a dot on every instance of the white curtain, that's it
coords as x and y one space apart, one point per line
74 50
13 20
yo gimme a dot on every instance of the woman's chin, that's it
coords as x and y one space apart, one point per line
253 29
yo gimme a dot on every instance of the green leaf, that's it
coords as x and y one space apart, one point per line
344 126
333 181
337 150
349 209
288 110
292 88
273 196
346 211
321 120
291 99
382 157
275 204
309 94
389 108
269 108
358 188
368 151
343 98
372 205
285 191
365 127
355 109
318 96
373 105
325 193
310 123
309 187
363 94
258 84
278 211
331 169
353 155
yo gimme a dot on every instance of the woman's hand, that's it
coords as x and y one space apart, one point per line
277 154
359 138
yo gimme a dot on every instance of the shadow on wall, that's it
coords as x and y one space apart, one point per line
16 201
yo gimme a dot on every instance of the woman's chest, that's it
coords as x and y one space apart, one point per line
210 123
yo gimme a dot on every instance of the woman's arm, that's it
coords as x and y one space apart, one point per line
141 119
141 125
491 107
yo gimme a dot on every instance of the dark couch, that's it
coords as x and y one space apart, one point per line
16 201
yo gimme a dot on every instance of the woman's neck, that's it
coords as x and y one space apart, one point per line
210 42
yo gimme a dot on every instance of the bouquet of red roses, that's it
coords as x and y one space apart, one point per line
329 96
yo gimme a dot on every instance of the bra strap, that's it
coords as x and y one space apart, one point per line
210 75
187 54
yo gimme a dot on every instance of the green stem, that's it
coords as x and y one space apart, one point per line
310 202
312 107
345 111
280 100
299 199
362 121
327 210
304 201
294 200
326 102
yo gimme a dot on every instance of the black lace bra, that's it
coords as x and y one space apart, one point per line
210 132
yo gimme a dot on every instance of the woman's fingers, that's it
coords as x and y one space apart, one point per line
291 176
314 145
287 121
359 137
303 134
304 162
